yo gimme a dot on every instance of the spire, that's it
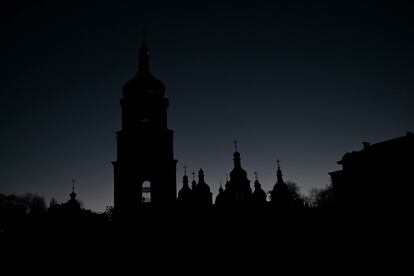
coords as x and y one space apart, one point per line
143 36
143 57
279 172
193 183
236 156
73 194
200 176
185 177
257 184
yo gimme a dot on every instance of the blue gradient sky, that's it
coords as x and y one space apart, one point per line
299 81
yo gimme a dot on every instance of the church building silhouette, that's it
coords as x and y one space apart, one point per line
145 169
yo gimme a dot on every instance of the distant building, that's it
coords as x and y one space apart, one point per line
198 195
259 195
280 195
73 205
185 195
237 190
378 176
202 195
219 197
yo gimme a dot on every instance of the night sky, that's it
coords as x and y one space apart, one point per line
299 81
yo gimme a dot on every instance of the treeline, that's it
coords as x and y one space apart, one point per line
30 213
31 210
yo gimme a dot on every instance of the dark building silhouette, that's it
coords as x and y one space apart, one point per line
144 144
71 208
194 182
219 197
280 195
145 169
259 195
237 190
376 176
73 205
202 195
185 195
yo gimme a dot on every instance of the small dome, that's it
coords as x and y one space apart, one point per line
72 195
184 191
238 173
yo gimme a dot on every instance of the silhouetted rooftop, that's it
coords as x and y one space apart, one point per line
384 146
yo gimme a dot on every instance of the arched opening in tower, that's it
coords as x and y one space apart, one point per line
146 192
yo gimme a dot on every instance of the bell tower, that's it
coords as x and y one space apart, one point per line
145 169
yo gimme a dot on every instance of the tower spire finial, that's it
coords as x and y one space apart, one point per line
72 195
73 184
185 177
143 55
144 42
279 172
235 144
256 176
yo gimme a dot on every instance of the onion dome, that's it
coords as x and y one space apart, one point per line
185 191
143 82
202 185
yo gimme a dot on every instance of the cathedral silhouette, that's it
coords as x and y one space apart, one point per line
374 182
145 169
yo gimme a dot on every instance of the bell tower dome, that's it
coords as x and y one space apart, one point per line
144 144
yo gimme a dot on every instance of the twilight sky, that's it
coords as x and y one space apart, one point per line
299 81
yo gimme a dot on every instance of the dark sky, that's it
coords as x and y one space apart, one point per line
299 81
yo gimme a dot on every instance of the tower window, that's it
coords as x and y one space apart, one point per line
146 192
